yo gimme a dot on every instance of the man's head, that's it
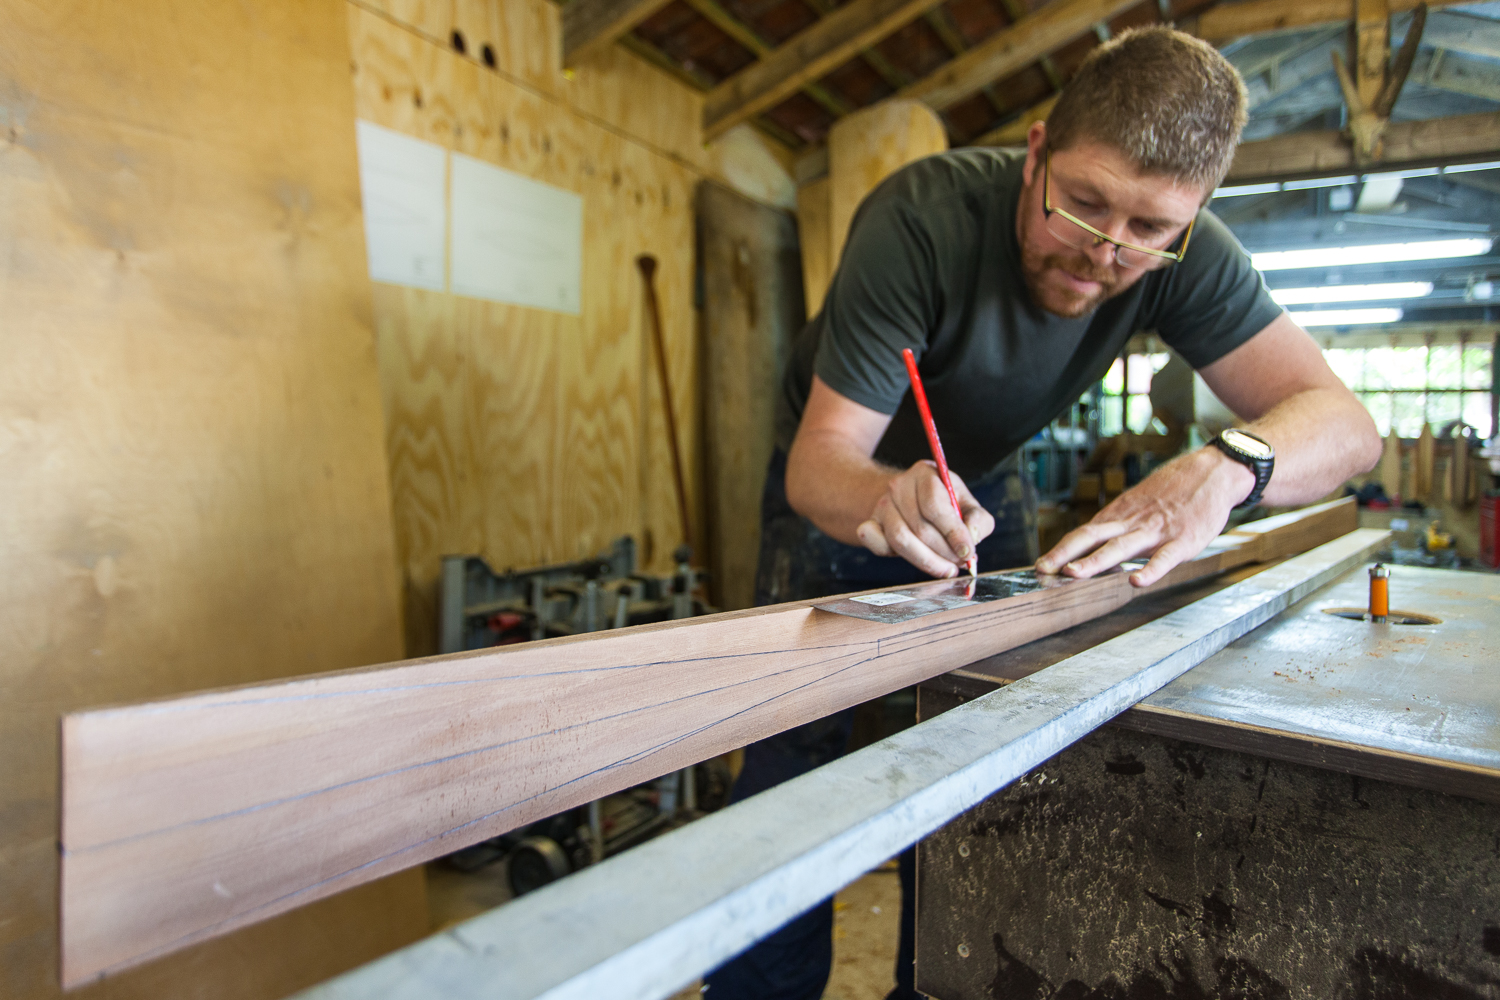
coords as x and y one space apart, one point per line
1138 141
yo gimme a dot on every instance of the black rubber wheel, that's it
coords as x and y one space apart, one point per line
535 862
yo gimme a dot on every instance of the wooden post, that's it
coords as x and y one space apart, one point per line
866 148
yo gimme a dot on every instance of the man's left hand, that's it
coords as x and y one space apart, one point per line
1171 515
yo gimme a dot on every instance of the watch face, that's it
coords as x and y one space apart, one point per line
1249 444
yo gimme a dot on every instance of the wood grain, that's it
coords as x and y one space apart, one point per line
866 148
523 435
185 818
194 489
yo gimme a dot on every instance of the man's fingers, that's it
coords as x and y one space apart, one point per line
908 546
922 501
1079 542
873 538
1166 558
980 522
1113 552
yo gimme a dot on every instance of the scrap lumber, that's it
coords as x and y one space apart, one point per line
649 921
188 817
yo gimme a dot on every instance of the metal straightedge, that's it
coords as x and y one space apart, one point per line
644 924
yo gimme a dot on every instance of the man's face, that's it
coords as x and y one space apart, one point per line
1097 184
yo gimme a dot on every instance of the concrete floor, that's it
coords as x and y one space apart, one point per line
865 917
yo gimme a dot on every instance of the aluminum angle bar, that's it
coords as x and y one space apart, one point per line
644 924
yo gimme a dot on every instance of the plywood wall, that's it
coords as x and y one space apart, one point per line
193 486
524 435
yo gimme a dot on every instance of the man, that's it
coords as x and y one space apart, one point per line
1016 279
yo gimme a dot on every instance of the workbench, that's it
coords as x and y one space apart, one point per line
1313 812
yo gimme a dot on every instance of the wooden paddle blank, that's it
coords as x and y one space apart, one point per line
186 818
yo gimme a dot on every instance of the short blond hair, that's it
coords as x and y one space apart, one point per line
1168 101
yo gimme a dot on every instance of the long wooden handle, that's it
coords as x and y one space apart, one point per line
647 264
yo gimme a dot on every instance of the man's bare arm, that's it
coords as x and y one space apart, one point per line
832 480
1279 381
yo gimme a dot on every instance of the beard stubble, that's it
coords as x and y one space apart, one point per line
1062 301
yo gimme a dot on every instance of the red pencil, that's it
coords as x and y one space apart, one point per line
937 446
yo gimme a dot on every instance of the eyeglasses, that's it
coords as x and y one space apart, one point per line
1080 235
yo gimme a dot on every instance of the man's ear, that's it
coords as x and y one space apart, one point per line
1036 148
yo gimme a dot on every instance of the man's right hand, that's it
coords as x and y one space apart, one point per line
914 519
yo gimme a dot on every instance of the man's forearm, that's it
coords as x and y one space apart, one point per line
1321 437
832 484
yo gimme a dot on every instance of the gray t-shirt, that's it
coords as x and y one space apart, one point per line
932 263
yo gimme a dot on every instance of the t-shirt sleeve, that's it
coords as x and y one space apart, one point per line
1214 300
880 301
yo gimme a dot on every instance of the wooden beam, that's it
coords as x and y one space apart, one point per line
592 25
1013 133
646 923
1226 22
1012 49
1462 138
750 39
810 55
188 817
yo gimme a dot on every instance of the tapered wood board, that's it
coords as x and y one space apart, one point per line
187 817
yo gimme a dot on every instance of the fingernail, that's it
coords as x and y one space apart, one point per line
1072 566
963 553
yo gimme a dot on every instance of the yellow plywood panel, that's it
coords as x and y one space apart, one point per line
524 435
194 490
867 147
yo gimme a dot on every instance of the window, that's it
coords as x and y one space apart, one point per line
1405 387
1127 385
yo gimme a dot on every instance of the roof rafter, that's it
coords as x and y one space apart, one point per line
809 55
1258 17
592 25
1014 48
1407 144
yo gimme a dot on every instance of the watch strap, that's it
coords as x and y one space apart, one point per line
1261 467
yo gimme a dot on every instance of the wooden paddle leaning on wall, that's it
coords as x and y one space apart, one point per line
185 818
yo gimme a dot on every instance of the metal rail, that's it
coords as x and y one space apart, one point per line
646 923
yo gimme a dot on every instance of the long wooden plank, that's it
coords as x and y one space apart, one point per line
645 923
1012 49
591 25
807 56
1407 144
1227 22
184 818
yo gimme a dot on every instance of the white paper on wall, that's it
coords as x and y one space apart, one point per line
402 181
515 239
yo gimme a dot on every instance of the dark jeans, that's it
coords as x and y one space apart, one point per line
798 562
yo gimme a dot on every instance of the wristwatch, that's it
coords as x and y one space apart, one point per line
1256 453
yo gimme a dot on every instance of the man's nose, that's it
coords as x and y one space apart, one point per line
1101 253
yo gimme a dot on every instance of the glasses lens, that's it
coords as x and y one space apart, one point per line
1129 257
1069 232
